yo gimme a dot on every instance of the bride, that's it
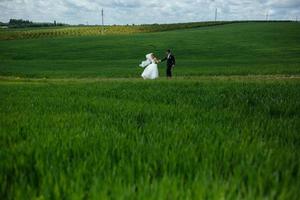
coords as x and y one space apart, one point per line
151 71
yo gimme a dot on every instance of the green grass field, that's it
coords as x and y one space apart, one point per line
77 122
235 49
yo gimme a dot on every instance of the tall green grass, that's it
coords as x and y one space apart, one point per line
185 139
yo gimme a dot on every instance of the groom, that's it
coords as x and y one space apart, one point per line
170 62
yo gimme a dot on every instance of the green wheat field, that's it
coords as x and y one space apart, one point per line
78 122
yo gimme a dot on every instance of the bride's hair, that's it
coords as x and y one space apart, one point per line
154 58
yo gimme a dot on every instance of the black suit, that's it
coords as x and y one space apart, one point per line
170 63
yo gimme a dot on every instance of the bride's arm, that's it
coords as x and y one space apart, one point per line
156 60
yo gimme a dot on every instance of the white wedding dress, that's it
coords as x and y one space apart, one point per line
151 70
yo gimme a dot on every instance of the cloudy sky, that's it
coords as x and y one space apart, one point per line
146 11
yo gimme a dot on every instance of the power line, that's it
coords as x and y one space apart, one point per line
216 14
102 14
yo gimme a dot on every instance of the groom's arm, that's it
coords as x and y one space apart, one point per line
164 59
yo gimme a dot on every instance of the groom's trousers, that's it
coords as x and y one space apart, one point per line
169 71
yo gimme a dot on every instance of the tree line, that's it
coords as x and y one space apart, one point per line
20 23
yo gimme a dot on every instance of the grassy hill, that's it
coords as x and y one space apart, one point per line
77 121
235 49
65 31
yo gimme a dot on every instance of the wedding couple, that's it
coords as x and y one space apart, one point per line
151 70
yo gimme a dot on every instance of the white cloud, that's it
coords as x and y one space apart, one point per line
146 11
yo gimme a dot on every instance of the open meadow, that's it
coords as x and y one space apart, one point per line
77 121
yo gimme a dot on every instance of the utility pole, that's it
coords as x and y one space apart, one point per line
216 14
102 14
267 16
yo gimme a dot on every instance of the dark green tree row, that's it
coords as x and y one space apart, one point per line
20 23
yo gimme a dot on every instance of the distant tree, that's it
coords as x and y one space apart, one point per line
20 23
